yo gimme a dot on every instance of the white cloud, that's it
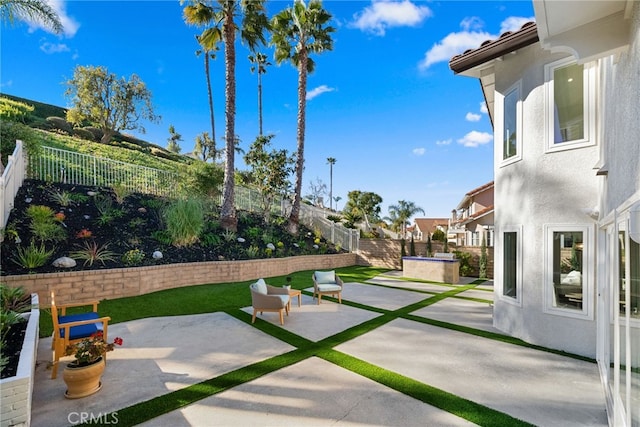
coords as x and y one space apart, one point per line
7 84
383 14
50 48
483 108
318 91
471 37
514 23
444 142
472 23
419 151
453 44
472 117
70 25
475 139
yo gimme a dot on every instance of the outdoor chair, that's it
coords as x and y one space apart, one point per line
72 328
269 298
327 283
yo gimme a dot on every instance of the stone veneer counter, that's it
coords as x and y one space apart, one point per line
434 269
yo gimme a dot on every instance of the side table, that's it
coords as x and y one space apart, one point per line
294 293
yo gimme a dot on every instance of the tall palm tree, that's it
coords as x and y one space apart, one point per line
403 211
261 63
202 15
30 10
299 31
331 161
254 23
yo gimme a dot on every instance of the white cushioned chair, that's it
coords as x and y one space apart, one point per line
327 283
269 298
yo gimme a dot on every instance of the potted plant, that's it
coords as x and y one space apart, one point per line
82 376
288 285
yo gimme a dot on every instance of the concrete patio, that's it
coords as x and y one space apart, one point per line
161 355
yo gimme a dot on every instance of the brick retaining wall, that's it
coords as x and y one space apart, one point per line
81 286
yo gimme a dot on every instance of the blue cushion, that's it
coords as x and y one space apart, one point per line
82 331
77 317
325 277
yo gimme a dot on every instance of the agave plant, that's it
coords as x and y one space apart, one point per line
91 252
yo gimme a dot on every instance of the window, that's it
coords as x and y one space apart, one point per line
568 262
510 264
475 238
508 109
570 105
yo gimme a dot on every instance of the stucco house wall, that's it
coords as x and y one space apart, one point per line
622 149
542 188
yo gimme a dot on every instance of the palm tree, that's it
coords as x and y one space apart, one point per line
30 10
299 31
261 63
403 211
200 14
254 22
331 161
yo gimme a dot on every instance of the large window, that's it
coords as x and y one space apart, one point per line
510 264
509 110
568 269
570 107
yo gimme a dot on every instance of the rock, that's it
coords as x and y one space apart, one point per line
157 255
64 262
271 246
91 193
241 240
28 200
142 210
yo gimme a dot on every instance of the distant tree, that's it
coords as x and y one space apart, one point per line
260 66
205 147
412 247
201 14
173 140
429 250
109 103
270 171
403 211
439 235
337 199
351 218
366 203
201 179
331 161
483 258
30 10
317 190
297 32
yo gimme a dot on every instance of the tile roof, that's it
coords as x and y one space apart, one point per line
507 42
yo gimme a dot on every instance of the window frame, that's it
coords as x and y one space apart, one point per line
499 272
589 107
499 129
588 271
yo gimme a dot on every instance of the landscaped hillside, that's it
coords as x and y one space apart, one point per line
45 125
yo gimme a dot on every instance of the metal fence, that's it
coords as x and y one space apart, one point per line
53 164
56 165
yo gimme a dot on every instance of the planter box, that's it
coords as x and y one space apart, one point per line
16 392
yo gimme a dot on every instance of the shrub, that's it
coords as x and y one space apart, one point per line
97 133
439 235
412 247
40 213
121 192
185 220
83 134
133 257
11 110
63 198
60 124
483 258
32 256
465 263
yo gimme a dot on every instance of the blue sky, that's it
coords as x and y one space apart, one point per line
383 102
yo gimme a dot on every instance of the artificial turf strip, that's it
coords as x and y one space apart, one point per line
152 408
463 408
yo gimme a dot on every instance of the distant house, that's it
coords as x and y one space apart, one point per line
564 100
472 219
424 227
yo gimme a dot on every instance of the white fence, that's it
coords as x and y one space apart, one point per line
11 181
57 165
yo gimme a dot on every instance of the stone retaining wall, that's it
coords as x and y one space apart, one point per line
81 286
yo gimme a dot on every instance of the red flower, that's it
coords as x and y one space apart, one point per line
117 340
83 234
59 216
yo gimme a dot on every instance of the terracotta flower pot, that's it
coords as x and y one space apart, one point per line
83 381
